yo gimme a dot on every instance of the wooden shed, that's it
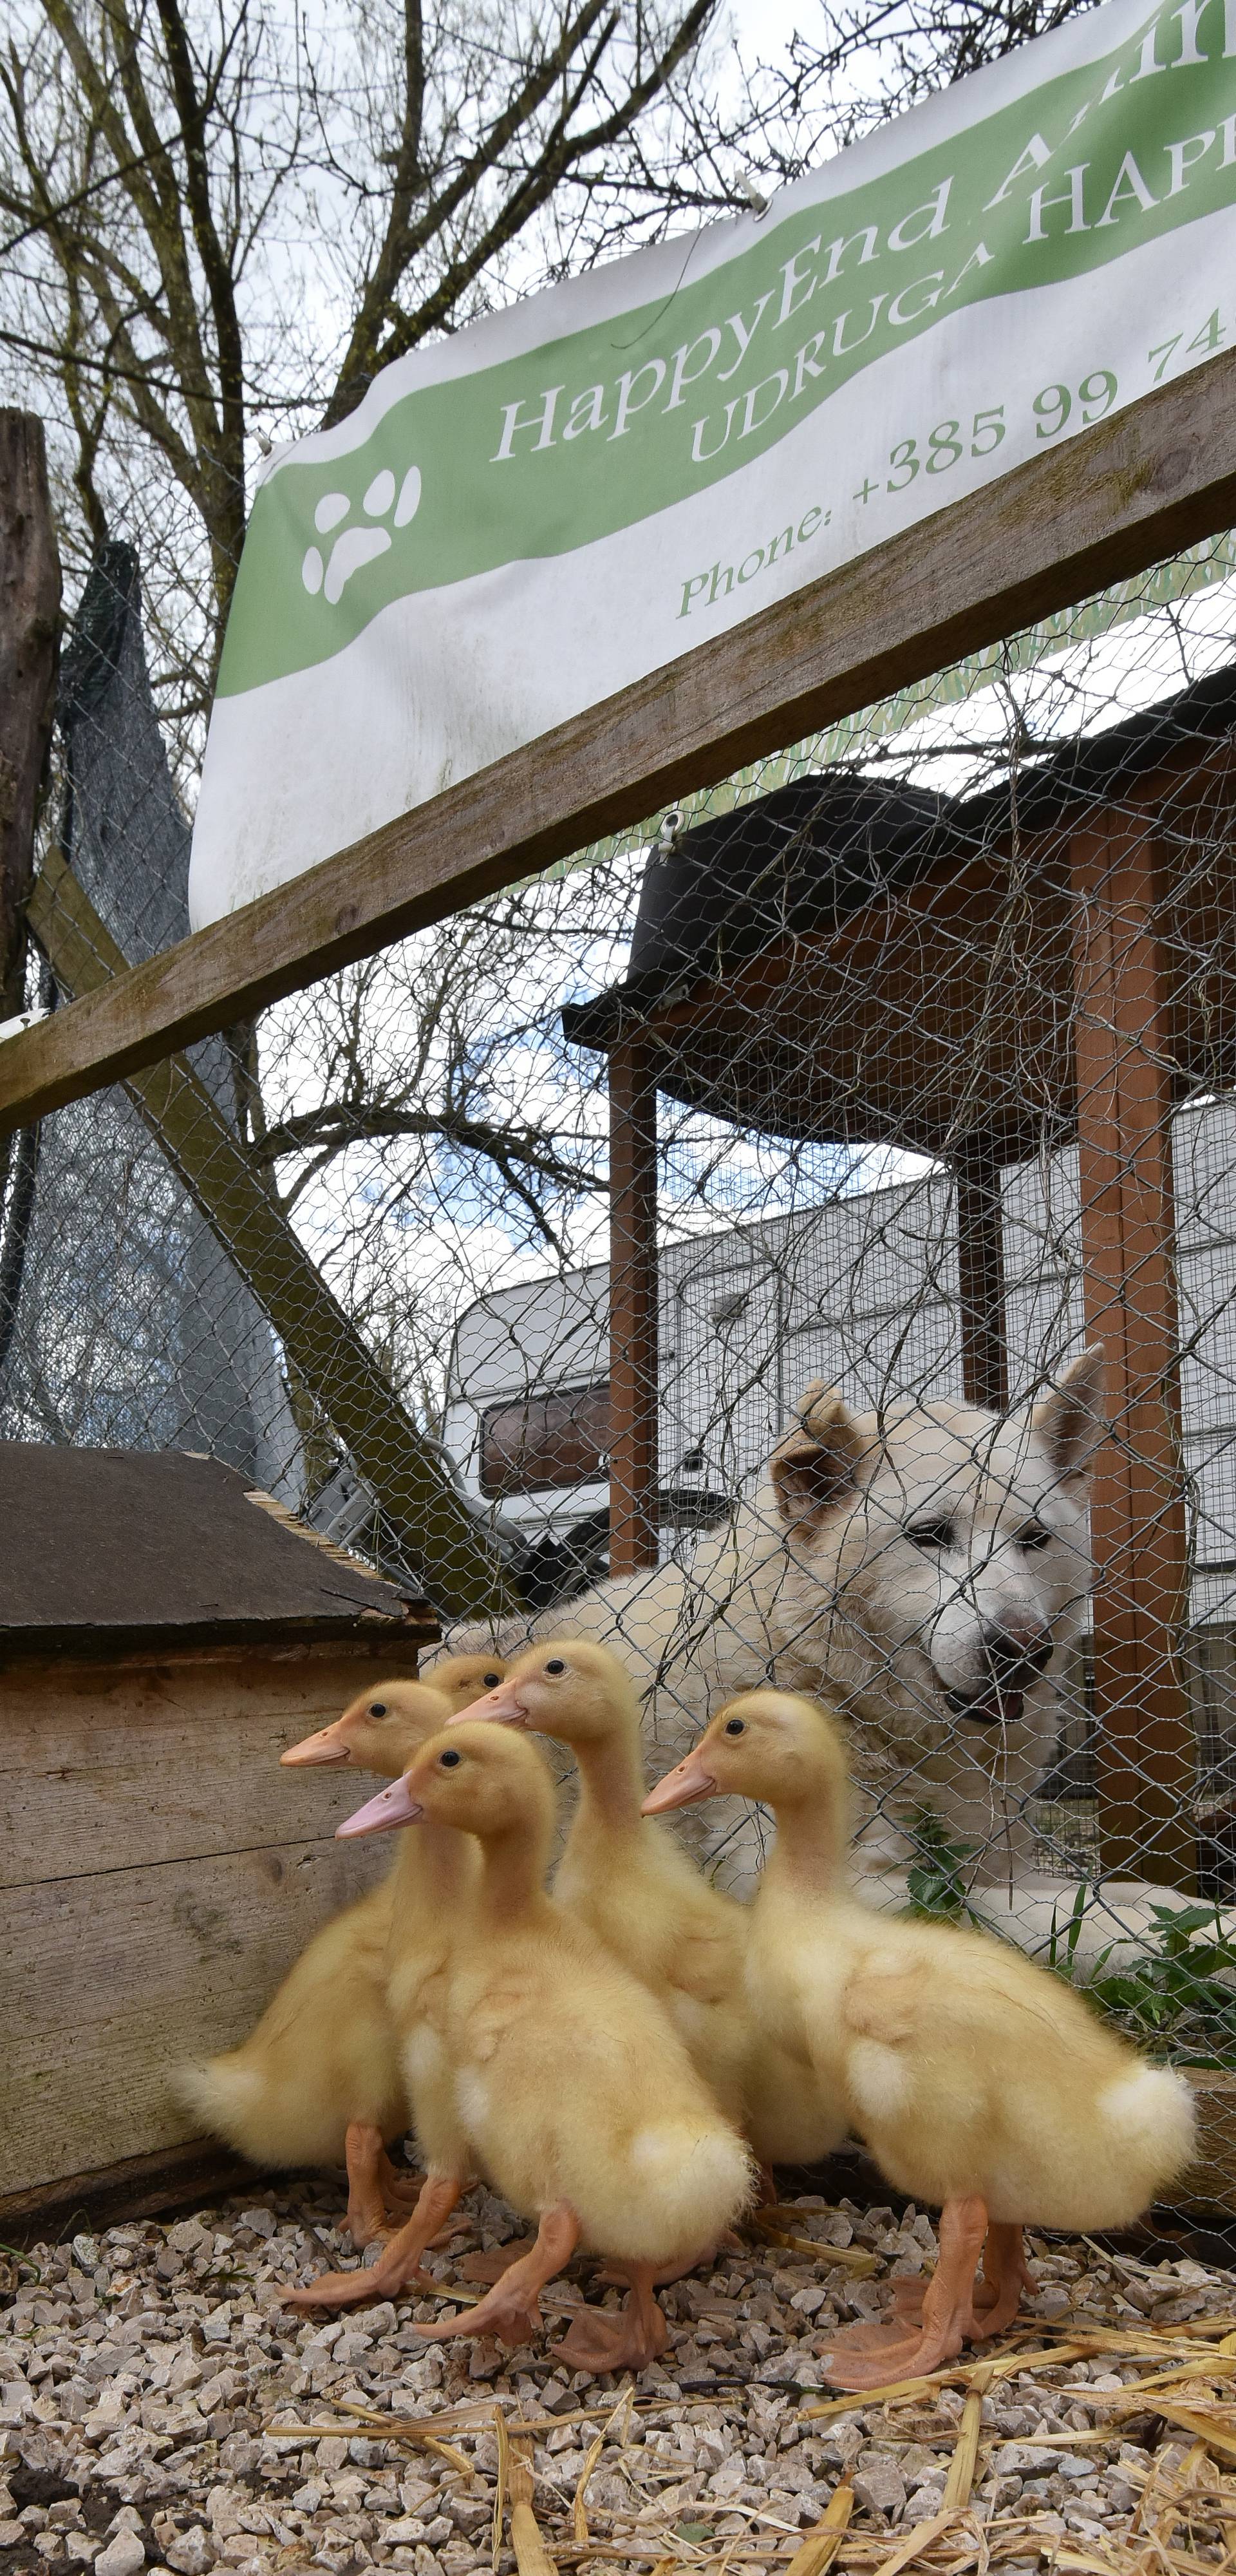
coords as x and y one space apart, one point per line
165 1632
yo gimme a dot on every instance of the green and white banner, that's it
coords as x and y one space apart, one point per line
522 519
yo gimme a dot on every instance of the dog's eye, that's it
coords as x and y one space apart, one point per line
937 1534
492 1680
449 1761
555 1664
377 1708
1034 1536
735 1726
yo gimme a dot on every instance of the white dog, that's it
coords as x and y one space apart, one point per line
923 1568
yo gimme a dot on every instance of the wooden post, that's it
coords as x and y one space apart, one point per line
633 1385
1125 1094
980 1266
29 621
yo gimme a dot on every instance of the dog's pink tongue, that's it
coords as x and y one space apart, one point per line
998 1708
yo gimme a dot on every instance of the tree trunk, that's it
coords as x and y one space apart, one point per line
29 623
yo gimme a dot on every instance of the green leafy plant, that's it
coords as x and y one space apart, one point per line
938 1877
1179 1997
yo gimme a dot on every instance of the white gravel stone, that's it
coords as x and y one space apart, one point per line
123 2556
880 2486
193 2553
925 2501
120 2367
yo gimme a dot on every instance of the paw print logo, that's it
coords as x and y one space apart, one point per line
356 546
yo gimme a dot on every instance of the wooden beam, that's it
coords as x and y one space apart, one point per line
320 1339
29 624
980 1268
1125 1096
634 1393
193 2176
1138 486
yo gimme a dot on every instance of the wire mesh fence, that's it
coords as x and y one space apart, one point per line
797 1240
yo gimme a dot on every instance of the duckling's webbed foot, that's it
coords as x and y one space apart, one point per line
491 2265
512 2310
399 2264
861 2358
599 2340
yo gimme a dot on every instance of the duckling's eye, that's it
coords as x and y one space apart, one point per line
555 1664
377 1708
931 1534
449 1761
1034 1537
735 1726
492 1680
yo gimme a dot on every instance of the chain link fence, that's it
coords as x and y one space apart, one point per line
796 1240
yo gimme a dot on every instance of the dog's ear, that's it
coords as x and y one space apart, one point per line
1072 1420
817 1461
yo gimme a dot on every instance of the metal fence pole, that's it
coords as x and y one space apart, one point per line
980 1264
633 1389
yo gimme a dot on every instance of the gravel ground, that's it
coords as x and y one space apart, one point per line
142 2370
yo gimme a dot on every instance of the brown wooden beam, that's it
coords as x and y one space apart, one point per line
1138 486
633 1355
190 2176
1125 1095
980 1266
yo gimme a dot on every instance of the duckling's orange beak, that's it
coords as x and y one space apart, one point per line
328 1745
681 1787
394 1805
503 1707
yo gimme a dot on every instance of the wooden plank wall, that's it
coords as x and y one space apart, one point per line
158 1875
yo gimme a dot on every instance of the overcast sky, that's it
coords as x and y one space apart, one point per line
766 26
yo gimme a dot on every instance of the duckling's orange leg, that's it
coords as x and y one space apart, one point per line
867 2358
400 2263
400 2184
512 2310
599 2340
365 2156
1005 2275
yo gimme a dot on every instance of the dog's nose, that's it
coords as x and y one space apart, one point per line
1015 1655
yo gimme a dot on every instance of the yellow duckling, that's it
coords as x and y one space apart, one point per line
553 2070
643 1895
318 2081
978 2080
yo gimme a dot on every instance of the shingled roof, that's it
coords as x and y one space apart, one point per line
103 1547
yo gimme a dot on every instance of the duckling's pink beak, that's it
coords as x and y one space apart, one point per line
681 1787
328 1745
394 1805
503 1706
